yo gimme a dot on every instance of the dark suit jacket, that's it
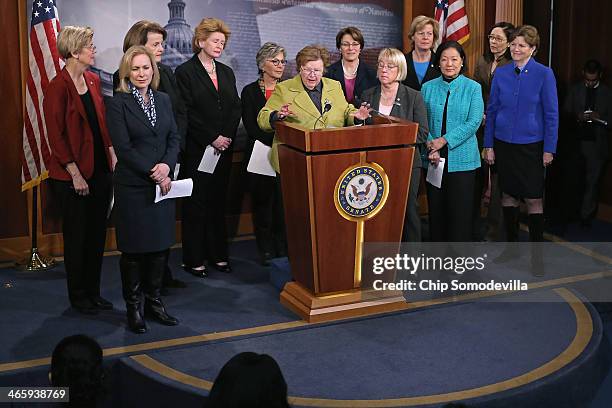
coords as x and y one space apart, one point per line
412 80
138 145
70 137
167 84
575 103
210 113
366 77
410 106
252 102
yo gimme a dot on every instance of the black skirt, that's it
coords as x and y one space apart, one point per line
142 225
520 168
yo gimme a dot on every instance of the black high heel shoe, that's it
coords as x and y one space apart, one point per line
223 267
198 273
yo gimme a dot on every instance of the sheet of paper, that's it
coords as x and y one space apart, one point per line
434 173
180 188
259 163
209 160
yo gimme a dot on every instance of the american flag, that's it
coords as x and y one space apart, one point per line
44 64
452 17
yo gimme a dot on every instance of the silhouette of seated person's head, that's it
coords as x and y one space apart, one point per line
76 363
249 380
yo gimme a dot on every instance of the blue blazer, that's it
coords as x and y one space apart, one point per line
138 145
463 117
523 108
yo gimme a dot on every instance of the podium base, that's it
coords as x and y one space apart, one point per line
354 303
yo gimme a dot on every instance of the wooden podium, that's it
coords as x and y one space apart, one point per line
341 187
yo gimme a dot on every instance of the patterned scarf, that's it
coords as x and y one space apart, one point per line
149 109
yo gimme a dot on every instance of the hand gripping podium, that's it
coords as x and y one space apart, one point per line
342 187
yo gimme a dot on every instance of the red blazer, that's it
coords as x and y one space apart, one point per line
70 136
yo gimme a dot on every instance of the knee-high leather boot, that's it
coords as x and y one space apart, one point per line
154 307
132 292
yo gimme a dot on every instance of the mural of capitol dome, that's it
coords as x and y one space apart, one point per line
178 42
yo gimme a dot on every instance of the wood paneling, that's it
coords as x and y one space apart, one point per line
13 203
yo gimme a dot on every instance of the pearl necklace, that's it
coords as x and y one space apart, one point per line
349 74
213 70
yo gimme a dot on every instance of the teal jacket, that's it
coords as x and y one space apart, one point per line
463 117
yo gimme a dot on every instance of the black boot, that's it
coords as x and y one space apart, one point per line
132 292
169 281
536 236
511 222
154 307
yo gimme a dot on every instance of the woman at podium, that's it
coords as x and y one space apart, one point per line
308 99
454 109
393 98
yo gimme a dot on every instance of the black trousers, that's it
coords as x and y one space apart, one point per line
451 207
412 221
84 233
204 231
268 214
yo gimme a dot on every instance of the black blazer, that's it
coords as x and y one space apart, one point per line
253 100
410 106
411 77
366 77
167 84
138 145
210 113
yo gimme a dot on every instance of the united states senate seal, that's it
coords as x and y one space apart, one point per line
361 191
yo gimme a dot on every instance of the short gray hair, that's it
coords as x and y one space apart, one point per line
268 51
72 39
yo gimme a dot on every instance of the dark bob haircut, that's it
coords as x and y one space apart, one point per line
354 32
451 44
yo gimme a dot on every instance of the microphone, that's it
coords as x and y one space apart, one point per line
517 70
326 108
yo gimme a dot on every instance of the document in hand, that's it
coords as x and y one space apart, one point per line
180 188
209 160
259 163
434 173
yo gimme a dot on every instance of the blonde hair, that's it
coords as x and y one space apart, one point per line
72 39
125 67
395 57
311 53
419 23
206 27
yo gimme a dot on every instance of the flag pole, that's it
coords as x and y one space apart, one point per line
35 261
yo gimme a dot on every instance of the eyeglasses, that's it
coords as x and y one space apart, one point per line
277 62
310 71
345 44
496 38
424 34
388 67
91 46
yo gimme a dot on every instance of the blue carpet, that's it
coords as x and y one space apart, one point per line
36 313
431 351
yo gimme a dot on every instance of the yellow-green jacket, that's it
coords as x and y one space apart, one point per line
305 112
